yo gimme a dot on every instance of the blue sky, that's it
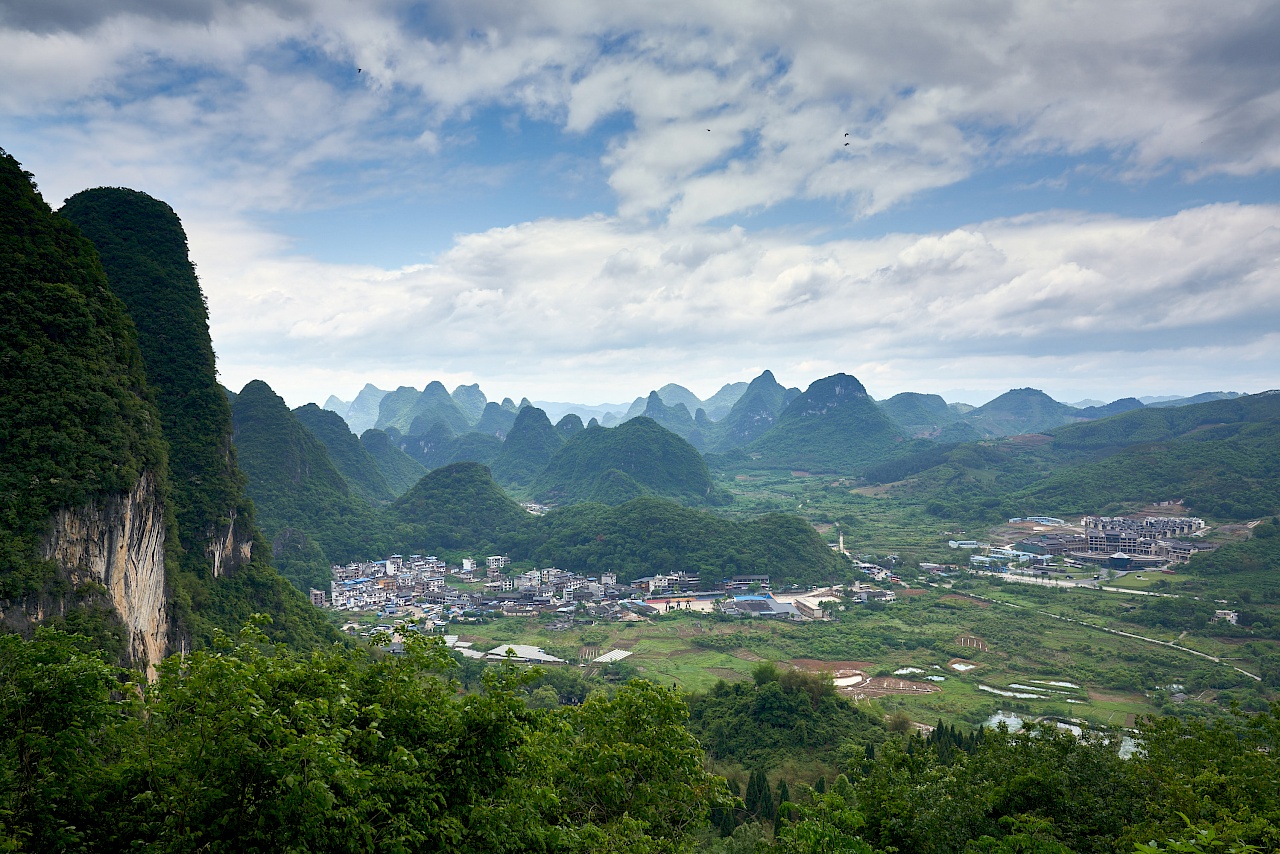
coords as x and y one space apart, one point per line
584 201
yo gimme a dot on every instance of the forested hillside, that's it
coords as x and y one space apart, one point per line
456 507
218 568
832 427
352 460
1220 456
400 470
648 460
304 505
79 420
650 535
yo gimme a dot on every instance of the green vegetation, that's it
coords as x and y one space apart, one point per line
79 422
413 412
246 747
458 506
530 444
1221 457
400 470
294 486
1230 471
923 415
833 426
1020 410
660 462
352 460
438 446
362 415
495 421
144 251
651 535
751 415
677 419
470 400
780 717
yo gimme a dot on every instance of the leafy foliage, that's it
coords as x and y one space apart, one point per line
779 716
656 459
79 421
356 465
294 485
455 507
650 535
247 747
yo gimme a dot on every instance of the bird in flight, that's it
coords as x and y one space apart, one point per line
358 70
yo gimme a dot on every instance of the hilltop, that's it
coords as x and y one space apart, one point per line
639 453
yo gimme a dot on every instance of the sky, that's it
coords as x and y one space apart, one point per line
582 201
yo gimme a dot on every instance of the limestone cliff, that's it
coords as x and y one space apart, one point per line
118 543
229 546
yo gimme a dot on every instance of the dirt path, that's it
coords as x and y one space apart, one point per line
1169 644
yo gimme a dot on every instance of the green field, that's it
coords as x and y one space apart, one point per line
1116 678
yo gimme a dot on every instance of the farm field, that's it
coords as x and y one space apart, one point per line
938 654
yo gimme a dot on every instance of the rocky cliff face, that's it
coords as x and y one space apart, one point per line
229 546
118 542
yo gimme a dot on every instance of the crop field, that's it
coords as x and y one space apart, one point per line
942 654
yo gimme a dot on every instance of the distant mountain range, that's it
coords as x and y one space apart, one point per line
736 415
436 461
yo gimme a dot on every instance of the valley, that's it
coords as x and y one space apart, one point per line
924 603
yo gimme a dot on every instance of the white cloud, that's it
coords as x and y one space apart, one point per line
229 109
929 92
555 307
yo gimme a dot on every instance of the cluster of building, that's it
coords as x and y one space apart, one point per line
1114 542
424 586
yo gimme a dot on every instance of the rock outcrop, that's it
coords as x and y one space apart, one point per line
229 546
118 543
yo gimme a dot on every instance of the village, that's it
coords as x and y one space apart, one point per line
425 588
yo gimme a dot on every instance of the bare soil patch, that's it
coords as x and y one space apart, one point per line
968 599
746 655
883 686
816 665
912 591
